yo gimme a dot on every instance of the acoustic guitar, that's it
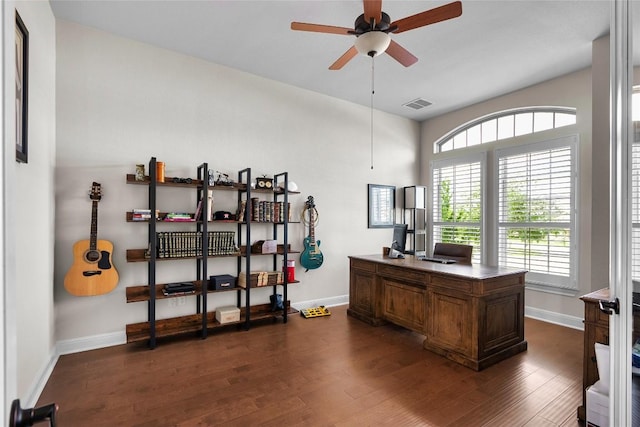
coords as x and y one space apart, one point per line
92 272
311 257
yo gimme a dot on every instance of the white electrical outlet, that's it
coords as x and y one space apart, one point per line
182 300
172 302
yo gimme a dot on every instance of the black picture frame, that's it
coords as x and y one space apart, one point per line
22 90
381 206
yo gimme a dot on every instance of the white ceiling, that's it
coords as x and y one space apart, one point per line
495 46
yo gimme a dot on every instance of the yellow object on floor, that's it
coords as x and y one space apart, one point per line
315 312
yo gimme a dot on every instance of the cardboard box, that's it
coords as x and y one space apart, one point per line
227 314
597 406
222 281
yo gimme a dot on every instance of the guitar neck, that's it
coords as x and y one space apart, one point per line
94 226
312 234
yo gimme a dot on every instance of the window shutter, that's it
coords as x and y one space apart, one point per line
457 205
536 211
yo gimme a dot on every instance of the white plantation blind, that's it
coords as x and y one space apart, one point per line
536 211
635 201
457 204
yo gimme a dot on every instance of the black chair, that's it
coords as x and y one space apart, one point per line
27 417
457 252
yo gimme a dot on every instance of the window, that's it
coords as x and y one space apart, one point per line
635 186
506 124
537 211
457 203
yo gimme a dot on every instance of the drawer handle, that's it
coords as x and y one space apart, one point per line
609 307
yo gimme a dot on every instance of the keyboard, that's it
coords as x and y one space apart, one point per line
438 260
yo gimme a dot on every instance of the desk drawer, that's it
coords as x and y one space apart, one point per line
363 265
453 284
402 274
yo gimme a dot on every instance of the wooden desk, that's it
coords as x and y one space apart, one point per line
471 314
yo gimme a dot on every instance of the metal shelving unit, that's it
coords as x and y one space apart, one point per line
414 214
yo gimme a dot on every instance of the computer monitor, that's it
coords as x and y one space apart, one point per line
399 237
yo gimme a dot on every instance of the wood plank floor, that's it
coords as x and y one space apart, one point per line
330 371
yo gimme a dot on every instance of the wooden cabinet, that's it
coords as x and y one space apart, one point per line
404 304
471 314
363 292
450 321
596 330
193 245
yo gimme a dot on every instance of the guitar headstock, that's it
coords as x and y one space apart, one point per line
96 192
310 203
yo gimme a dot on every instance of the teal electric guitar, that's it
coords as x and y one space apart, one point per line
311 257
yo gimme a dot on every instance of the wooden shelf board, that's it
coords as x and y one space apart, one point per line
193 323
140 293
168 182
243 251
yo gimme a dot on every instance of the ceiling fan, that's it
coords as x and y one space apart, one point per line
372 30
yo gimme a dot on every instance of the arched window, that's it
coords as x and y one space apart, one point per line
505 124
515 203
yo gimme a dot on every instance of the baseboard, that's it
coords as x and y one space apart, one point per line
90 343
555 318
327 302
33 394
68 347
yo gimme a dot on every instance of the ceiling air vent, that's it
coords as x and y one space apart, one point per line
417 104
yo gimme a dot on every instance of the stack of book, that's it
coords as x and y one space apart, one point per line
180 244
261 278
141 214
178 217
265 211
181 288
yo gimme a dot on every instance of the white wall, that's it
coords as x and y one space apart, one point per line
119 102
30 210
573 90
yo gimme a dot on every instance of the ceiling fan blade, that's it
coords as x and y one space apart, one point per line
373 10
401 54
442 13
346 57
318 28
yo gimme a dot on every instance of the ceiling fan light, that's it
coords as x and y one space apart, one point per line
373 43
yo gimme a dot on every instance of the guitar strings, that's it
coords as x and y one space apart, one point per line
303 217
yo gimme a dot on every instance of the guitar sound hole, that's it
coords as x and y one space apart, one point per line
92 256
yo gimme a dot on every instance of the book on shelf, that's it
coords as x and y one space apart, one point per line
261 278
267 211
198 213
178 217
142 214
180 244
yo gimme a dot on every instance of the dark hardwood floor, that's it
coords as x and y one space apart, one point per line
329 371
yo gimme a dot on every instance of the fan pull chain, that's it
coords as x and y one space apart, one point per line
372 93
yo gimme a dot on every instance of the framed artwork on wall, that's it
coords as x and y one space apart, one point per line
382 205
22 89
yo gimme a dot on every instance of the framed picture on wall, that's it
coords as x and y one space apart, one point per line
22 89
382 206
